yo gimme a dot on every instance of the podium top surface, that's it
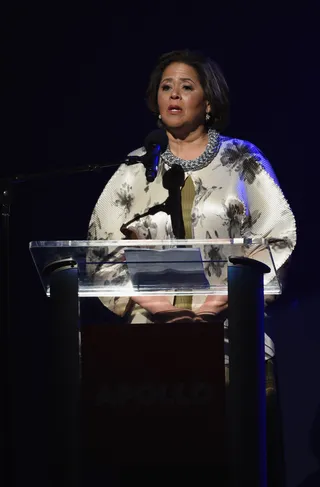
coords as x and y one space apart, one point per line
151 267
146 242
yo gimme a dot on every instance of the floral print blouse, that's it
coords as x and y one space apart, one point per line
236 195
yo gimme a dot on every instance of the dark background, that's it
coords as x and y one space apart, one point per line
73 94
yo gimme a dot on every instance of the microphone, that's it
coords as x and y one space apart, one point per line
155 143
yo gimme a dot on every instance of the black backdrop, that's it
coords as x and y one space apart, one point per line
75 79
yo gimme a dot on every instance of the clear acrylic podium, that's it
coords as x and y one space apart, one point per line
86 255
243 269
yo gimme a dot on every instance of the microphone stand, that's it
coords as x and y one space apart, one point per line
6 196
6 421
173 180
151 211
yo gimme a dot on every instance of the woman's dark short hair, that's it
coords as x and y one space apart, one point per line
210 76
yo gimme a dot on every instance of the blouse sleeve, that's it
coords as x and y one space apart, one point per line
268 213
114 207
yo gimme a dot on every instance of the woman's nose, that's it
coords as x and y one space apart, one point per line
175 94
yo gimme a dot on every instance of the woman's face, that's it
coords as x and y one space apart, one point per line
181 99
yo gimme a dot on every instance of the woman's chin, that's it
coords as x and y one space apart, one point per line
180 130
174 124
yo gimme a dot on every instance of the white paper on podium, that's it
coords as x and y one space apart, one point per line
180 268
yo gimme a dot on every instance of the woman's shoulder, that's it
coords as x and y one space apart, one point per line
126 170
241 146
242 154
137 152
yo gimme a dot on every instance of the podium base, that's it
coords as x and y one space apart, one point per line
153 398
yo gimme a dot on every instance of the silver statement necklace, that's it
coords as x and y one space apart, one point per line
200 162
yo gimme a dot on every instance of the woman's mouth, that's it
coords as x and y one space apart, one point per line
174 109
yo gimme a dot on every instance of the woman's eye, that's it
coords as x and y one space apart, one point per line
187 87
165 87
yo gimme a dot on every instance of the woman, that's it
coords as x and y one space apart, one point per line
230 188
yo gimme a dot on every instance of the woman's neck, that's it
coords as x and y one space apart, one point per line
188 146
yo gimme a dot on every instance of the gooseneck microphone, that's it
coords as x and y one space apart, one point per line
173 180
155 143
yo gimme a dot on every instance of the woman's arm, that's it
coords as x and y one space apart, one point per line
154 304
